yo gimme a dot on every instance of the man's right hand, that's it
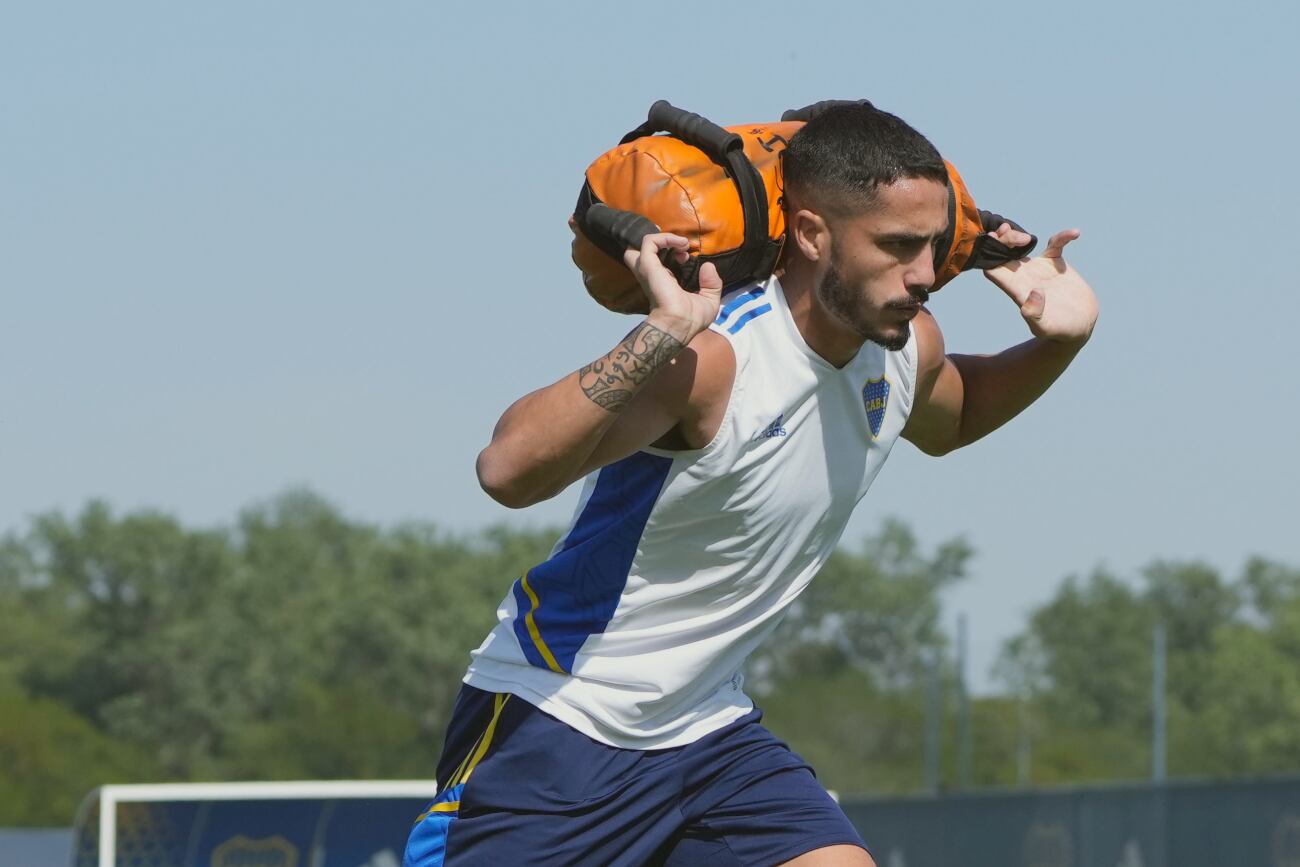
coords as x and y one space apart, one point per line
681 313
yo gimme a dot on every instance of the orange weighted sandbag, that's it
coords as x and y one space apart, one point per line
720 189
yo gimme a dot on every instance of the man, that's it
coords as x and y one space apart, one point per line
725 443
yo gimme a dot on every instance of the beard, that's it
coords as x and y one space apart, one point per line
848 307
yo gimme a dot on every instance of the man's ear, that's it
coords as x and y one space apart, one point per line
810 233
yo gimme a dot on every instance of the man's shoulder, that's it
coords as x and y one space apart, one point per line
696 387
713 368
742 306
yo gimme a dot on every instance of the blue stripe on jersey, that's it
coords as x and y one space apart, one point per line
427 845
578 588
739 301
749 314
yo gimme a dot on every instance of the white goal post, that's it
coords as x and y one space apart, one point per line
111 797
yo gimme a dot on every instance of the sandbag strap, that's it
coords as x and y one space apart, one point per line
727 149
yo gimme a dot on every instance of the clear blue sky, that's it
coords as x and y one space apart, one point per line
245 246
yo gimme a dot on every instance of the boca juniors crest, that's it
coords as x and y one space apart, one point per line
241 851
875 398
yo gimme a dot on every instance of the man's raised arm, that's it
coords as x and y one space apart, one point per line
628 398
961 398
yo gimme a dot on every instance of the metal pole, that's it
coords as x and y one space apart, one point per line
963 709
932 725
1023 757
1158 703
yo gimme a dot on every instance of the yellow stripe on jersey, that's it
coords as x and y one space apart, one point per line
486 740
535 632
455 775
444 807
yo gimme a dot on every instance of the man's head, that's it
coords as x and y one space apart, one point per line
866 199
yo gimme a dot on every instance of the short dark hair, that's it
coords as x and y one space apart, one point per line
838 160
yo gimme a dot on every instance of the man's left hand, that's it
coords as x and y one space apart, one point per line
1055 300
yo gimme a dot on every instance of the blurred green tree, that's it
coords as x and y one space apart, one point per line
1232 680
843 676
294 644
297 643
52 758
876 609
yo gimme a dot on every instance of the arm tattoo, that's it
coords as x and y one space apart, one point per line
612 381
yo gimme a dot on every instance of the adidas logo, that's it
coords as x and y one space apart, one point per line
775 429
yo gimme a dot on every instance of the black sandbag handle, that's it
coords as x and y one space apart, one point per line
625 228
614 231
989 252
808 112
690 127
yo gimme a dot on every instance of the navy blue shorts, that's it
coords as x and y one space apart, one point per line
523 788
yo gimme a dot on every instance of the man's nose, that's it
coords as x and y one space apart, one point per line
920 272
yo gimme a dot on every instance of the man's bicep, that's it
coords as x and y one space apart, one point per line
680 409
651 415
646 419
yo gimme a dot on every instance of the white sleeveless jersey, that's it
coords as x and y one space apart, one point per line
678 563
